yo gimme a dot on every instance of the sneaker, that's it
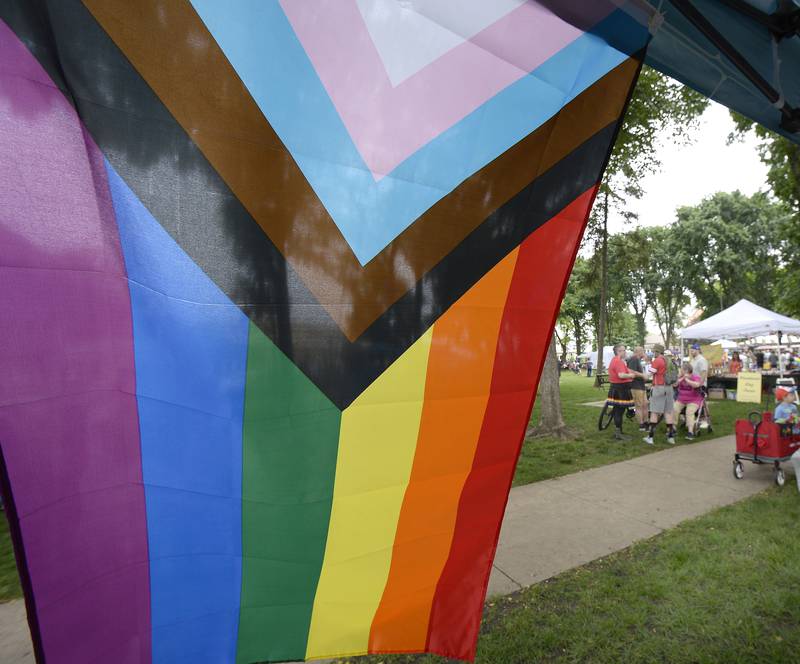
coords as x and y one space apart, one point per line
648 440
671 440
644 428
690 435
618 435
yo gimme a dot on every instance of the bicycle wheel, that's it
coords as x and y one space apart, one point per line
606 415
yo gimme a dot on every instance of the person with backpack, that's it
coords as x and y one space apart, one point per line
662 400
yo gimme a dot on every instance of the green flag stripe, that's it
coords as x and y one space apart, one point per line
290 440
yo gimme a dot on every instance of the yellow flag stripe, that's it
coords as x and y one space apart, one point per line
377 442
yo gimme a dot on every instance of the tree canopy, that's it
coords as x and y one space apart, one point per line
729 246
782 158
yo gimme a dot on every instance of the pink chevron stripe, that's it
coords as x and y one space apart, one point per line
388 124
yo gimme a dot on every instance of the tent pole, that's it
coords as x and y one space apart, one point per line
790 117
780 355
783 23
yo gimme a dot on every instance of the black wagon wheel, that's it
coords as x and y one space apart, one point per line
606 415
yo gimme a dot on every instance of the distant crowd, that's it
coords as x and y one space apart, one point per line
677 389
734 362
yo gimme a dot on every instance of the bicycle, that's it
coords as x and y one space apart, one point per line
607 416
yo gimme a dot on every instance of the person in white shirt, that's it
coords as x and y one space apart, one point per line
699 363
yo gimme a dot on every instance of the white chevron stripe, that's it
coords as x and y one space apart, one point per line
411 34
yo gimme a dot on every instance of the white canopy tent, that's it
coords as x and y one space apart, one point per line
743 320
726 344
608 355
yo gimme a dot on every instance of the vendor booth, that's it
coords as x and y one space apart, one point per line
743 320
746 321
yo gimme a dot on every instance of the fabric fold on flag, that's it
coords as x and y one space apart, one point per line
269 362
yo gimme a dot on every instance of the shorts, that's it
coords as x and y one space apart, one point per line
662 399
640 399
620 395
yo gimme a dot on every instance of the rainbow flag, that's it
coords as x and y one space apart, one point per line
277 281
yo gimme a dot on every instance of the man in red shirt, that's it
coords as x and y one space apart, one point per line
619 394
662 400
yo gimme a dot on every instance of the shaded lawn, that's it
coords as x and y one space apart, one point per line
720 588
544 458
9 579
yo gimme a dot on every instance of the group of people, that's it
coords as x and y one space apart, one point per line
675 389
756 360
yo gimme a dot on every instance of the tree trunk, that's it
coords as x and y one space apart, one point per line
551 419
563 342
601 323
641 322
641 328
578 338
663 330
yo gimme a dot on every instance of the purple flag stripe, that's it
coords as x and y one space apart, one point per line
68 421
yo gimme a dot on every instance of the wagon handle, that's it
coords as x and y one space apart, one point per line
755 419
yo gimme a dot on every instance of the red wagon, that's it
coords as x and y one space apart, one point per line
760 440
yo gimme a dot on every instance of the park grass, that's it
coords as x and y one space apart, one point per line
545 457
9 579
719 588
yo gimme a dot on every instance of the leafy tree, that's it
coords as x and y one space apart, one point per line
779 154
660 109
622 327
782 158
659 106
563 335
730 247
664 280
574 318
628 262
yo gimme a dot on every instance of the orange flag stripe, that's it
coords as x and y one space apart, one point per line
456 393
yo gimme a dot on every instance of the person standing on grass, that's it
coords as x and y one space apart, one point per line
689 397
589 367
662 401
636 367
699 363
619 394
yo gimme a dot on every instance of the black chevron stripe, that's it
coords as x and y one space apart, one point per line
162 165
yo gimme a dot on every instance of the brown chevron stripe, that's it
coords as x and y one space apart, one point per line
188 71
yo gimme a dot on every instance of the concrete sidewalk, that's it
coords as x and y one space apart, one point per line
15 639
555 525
